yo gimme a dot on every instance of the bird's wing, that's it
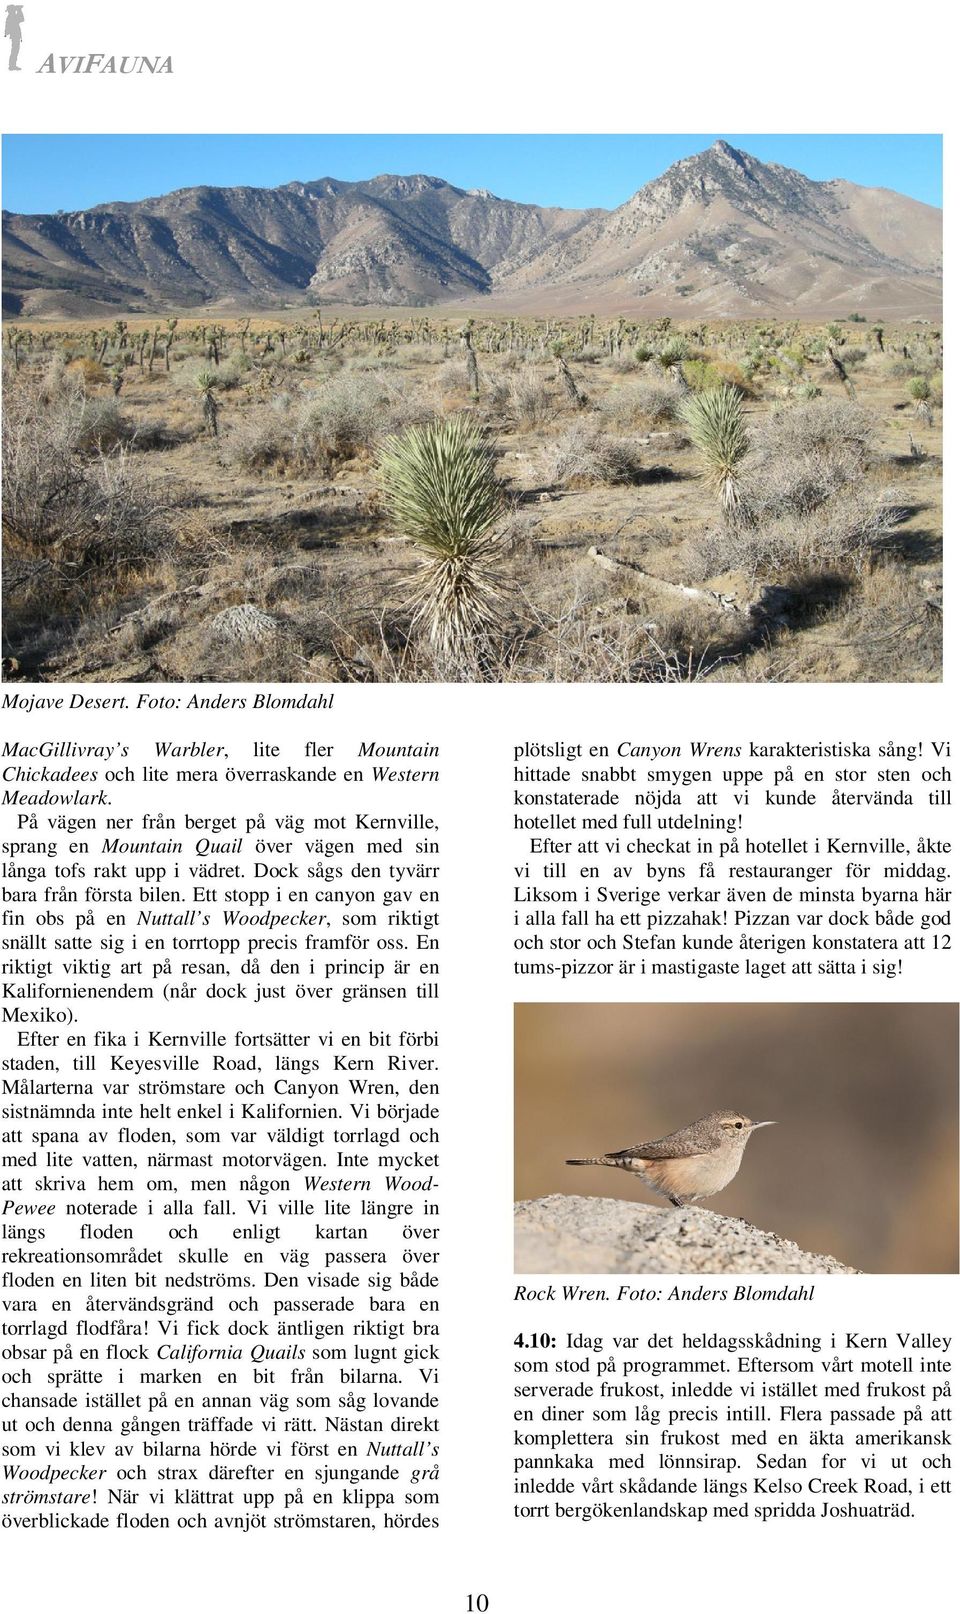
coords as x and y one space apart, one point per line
671 1148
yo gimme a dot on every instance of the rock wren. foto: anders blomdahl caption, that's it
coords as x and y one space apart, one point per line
690 1164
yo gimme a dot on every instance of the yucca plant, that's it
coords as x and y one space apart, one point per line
919 389
672 353
715 422
438 484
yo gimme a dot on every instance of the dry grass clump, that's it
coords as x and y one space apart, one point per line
584 457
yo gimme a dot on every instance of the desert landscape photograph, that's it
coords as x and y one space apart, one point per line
678 420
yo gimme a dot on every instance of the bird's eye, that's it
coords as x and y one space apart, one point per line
738 1125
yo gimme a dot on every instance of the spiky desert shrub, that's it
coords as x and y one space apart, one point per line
439 486
716 425
919 390
674 351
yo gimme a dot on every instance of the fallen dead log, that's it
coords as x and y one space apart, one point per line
771 605
709 596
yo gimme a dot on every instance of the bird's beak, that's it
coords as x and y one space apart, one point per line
757 1124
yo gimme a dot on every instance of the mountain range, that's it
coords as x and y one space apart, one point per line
718 234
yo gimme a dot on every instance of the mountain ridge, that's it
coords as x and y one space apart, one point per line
717 234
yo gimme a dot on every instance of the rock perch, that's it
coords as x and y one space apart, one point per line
575 1233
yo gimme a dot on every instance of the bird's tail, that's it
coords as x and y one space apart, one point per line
594 1160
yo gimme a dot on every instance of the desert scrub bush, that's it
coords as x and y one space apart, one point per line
831 425
100 426
88 371
311 430
704 375
804 454
919 389
584 456
69 501
451 377
264 436
496 396
641 403
47 437
840 534
717 428
439 486
234 371
351 412
530 400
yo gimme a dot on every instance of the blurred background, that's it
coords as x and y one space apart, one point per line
863 1165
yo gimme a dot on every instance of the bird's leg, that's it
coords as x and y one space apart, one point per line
674 1221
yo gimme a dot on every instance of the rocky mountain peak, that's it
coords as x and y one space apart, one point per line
719 229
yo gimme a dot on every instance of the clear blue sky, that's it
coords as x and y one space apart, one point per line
44 172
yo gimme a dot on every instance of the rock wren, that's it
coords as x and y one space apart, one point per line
690 1164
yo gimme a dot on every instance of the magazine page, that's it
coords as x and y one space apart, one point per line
479 1118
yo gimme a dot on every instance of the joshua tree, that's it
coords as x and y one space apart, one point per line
205 384
715 422
473 374
439 485
576 397
841 370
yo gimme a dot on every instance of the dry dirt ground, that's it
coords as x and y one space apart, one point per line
271 556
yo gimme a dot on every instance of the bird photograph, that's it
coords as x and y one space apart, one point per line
691 1163
855 1169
